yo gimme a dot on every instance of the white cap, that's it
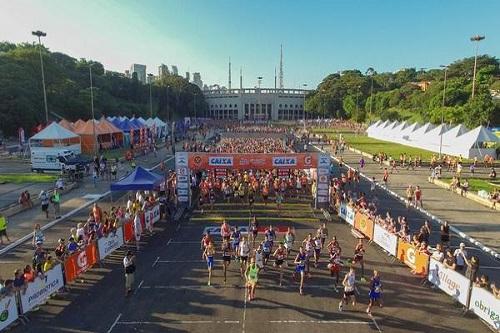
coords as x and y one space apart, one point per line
462 244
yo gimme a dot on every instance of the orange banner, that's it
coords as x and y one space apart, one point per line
364 224
199 161
417 261
79 262
128 231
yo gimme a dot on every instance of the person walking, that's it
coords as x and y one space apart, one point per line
44 201
56 201
129 265
3 228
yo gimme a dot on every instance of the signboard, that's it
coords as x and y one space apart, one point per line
128 231
349 216
417 261
364 224
198 161
8 311
39 290
486 306
451 282
182 173
79 262
385 239
107 245
343 211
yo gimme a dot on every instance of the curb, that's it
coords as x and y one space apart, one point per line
470 196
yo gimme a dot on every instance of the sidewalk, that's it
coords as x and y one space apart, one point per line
472 218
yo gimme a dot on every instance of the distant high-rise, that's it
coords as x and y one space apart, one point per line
163 70
188 77
175 71
197 79
127 74
140 71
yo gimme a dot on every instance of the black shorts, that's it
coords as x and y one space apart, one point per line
267 255
45 207
279 262
244 258
348 293
255 232
3 232
226 258
318 252
265 196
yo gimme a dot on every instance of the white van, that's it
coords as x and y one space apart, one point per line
50 159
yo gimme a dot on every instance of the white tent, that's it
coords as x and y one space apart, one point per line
55 135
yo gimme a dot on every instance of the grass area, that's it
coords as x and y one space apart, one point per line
19 178
476 184
374 146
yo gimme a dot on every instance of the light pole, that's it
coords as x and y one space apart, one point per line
92 108
150 77
304 106
476 39
370 72
259 107
39 34
357 98
442 110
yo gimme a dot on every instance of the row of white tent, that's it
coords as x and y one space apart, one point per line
160 125
456 140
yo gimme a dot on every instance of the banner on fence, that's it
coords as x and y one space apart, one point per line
128 231
8 311
39 290
79 262
364 224
417 261
385 239
343 211
451 282
486 306
107 245
349 215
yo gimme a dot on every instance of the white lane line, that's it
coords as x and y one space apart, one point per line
244 310
235 322
261 286
346 322
138 287
179 322
115 322
376 325
169 242
156 261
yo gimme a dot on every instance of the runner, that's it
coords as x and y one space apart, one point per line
254 228
244 251
235 240
279 256
308 244
418 197
359 252
289 240
259 256
226 257
270 235
266 246
323 234
252 276
225 231
317 249
409 196
375 292
208 255
386 176
279 200
300 262
335 265
349 284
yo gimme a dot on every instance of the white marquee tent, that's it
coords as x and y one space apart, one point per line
56 136
455 141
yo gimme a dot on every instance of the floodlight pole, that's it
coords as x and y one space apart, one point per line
476 39
442 111
39 34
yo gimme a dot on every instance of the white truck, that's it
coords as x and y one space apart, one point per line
59 160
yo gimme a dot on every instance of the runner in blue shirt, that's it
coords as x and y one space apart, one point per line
375 292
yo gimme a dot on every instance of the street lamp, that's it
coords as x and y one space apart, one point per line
370 72
357 98
442 110
92 108
259 107
476 39
39 34
150 77
304 105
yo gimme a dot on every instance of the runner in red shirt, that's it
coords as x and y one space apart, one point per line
418 197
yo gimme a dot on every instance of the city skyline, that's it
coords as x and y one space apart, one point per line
318 39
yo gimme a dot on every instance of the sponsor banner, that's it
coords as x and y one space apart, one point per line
107 245
182 171
451 282
79 262
343 211
322 199
183 198
349 216
215 230
322 172
199 161
407 253
39 290
8 311
323 186
181 159
182 185
385 239
324 161
151 216
182 179
181 191
128 231
486 306
323 193
364 224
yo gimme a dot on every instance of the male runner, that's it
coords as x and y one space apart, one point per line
359 252
349 289
375 292
208 255
335 265
226 257
279 256
289 240
323 234
300 262
252 276
244 252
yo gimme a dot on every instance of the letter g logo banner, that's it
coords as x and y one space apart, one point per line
308 160
410 255
82 260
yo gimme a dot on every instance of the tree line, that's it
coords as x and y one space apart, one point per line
68 90
412 95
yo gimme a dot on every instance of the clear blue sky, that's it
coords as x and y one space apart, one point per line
318 37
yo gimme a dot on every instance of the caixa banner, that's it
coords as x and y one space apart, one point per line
39 290
200 161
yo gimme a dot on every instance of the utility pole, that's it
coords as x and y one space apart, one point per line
150 77
92 110
442 111
39 34
476 39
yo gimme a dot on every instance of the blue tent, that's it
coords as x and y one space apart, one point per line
137 123
139 180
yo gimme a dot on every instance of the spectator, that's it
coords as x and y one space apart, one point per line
3 228
472 268
38 236
56 201
49 264
464 187
80 233
39 257
445 233
29 274
438 254
61 251
495 290
19 283
6 287
449 260
493 174
129 265
60 184
72 245
482 282
460 255
44 200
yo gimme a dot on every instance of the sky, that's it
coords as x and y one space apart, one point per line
319 37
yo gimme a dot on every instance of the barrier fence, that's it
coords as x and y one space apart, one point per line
44 286
478 300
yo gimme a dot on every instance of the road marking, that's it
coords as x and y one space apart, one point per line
353 322
178 227
115 323
156 261
244 310
376 325
179 322
169 241
235 322
138 287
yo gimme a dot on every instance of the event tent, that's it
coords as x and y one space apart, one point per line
139 180
455 141
67 125
55 135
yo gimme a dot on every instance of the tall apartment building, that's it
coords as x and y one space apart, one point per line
188 77
175 71
140 71
197 79
163 70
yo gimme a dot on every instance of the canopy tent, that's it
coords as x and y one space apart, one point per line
67 125
78 123
451 141
55 135
157 126
139 180
107 135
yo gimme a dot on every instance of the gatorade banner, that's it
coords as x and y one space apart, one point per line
107 245
486 306
451 282
8 311
199 161
39 290
79 262
364 224
385 239
417 261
